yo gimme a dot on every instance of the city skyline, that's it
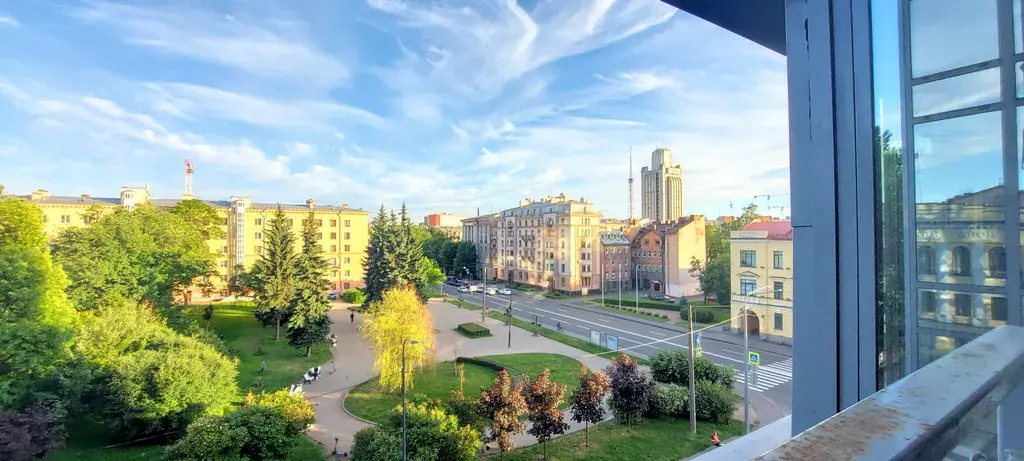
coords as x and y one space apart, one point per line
356 103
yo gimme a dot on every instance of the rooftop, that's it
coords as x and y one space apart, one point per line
777 230
87 200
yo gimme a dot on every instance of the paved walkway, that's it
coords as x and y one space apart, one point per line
354 364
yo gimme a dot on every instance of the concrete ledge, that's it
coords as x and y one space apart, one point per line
750 446
343 397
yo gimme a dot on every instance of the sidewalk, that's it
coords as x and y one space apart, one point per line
354 362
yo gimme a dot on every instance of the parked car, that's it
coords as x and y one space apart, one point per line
504 291
332 296
712 298
491 291
463 290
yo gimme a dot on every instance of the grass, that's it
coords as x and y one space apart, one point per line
652 440
627 311
555 295
370 402
243 335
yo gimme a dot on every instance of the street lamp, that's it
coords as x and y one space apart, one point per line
637 288
746 361
405 448
508 319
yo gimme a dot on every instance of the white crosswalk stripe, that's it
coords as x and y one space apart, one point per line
768 376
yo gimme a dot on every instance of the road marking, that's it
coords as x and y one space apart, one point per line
603 320
732 351
561 310
656 333
769 376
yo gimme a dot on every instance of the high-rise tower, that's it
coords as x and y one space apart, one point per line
188 179
631 185
661 191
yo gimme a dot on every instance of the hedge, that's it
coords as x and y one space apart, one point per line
472 330
632 311
699 315
483 363
555 295
673 367
353 296
648 303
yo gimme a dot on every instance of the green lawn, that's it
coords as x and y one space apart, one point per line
243 335
305 449
652 440
438 380
629 311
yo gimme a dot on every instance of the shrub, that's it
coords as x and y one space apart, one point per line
32 432
376 444
631 390
467 411
715 402
555 295
673 367
252 433
353 296
699 315
432 433
472 330
648 303
670 400
293 407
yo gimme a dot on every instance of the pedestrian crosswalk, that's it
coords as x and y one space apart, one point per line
768 376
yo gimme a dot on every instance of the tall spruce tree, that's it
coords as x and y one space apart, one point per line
379 262
276 269
409 254
309 323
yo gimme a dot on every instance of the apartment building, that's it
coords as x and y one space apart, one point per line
344 230
449 224
615 261
662 254
481 231
551 243
761 256
661 194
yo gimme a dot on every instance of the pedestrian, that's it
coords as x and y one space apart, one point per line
334 367
714 439
352 317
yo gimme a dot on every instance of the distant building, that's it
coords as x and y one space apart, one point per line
661 195
615 261
449 224
762 259
662 255
482 233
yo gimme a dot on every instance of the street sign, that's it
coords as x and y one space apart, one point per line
697 339
698 351
754 358
595 337
611 342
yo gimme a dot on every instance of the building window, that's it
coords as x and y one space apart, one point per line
334 248
259 221
748 258
348 236
999 309
319 235
65 219
778 290
927 302
259 236
259 250
334 274
334 236
778 321
926 260
348 273
224 264
563 268
291 222
747 286
962 305
319 223
334 223
777 256
348 223
348 260
224 250
997 262
562 281
961 261
348 248
333 261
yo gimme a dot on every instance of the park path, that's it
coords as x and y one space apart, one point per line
353 362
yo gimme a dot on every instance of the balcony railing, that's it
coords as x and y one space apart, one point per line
963 406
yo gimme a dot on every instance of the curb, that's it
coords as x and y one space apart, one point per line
343 396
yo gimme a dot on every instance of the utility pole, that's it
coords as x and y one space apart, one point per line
631 184
636 288
693 391
618 281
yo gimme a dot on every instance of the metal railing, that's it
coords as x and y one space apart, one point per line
944 411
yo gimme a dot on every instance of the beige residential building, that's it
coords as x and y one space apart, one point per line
481 232
344 230
762 265
661 194
551 243
662 254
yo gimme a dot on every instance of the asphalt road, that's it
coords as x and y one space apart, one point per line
770 392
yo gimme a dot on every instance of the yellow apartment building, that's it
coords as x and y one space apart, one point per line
552 243
762 262
344 230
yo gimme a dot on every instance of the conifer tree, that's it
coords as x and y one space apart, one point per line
379 264
309 323
276 269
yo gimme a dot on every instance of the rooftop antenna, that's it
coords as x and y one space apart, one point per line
631 184
188 178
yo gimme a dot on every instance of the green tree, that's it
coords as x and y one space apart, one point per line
418 232
146 254
309 323
400 316
447 262
242 282
202 216
631 390
380 264
587 401
32 432
504 405
430 272
433 248
36 319
891 340
251 433
276 274
409 252
465 258
715 278
543 396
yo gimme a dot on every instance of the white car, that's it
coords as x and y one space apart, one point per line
491 291
463 290
504 291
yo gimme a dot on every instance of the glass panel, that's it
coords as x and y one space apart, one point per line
947 34
1018 43
953 93
958 169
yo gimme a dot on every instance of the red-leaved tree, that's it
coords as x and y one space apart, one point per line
587 401
543 396
504 405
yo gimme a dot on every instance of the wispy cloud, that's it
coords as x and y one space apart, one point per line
7 21
265 48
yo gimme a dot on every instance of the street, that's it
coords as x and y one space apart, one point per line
770 393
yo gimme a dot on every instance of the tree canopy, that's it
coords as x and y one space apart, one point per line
392 256
146 254
398 317
504 405
309 323
202 216
276 272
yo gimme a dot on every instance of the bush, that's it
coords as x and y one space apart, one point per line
648 303
673 367
670 400
472 330
432 432
353 296
715 402
376 444
467 411
555 295
475 361
293 407
32 432
699 315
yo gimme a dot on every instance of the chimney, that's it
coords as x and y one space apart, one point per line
311 203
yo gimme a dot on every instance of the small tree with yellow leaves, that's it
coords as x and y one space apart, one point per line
398 317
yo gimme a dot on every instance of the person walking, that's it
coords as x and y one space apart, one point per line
714 439
352 317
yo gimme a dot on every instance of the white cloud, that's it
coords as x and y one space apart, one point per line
267 49
459 132
299 150
188 100
340 136
7 21
488 159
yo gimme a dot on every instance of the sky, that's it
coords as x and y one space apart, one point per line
447 106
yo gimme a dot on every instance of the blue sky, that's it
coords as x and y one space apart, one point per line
447 106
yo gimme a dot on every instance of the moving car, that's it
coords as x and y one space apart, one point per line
504 291
463 290
491 291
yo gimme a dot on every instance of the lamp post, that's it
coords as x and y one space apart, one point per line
405 448
636 287
508 319
746 361
693 391
618 281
